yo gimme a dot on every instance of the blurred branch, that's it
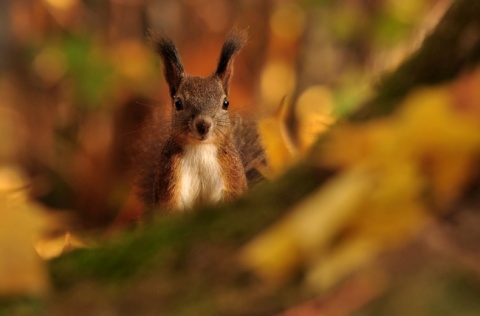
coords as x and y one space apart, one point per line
453 48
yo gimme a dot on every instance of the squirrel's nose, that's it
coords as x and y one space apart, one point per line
203 126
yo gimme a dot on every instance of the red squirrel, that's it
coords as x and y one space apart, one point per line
197 161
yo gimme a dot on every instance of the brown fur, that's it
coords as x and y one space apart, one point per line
232 171
166 178
198 98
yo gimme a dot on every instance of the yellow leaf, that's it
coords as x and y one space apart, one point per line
51 247
444 140
329 270
348 145
309 228
278 146
314 114
21 221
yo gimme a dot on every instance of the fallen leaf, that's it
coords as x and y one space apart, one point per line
279 149
308 229
21 221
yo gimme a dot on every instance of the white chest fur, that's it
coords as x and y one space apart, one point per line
200 176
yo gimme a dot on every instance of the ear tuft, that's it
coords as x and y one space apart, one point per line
173 68
233 43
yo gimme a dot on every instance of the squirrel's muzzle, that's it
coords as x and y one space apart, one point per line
202 126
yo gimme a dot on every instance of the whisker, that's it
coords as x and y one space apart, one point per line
144 104
136 130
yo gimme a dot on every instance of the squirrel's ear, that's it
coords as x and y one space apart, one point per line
234 42
173 68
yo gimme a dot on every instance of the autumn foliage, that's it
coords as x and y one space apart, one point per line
370 199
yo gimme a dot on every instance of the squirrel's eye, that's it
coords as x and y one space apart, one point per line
225 104
178 104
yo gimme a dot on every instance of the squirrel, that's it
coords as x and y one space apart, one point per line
198 161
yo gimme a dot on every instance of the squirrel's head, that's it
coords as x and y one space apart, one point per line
200 104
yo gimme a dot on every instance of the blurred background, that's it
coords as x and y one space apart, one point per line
79 81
